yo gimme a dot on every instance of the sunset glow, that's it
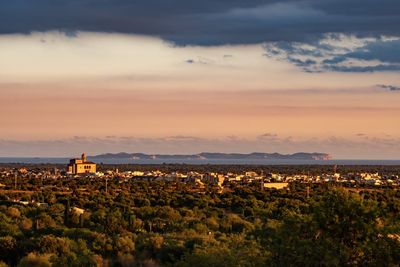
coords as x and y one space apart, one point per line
135 90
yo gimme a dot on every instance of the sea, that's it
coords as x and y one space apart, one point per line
38 160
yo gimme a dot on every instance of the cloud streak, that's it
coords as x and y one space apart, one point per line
389 87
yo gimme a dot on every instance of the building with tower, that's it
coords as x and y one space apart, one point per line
81 166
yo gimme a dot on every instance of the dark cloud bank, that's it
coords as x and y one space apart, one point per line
216 22
209 21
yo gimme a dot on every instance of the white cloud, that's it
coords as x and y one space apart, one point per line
341 53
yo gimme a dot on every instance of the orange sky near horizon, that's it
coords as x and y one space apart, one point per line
96 85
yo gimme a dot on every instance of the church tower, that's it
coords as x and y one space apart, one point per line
83 157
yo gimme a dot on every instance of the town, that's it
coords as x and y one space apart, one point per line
83 169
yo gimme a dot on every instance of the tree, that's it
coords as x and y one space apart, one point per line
8 249
339 230
35 260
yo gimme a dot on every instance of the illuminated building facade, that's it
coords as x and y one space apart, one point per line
81 166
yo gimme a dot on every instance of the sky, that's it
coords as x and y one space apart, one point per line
200 76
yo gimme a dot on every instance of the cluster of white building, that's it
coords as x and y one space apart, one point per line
219 179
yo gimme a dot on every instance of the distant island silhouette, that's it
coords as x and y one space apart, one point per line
216 156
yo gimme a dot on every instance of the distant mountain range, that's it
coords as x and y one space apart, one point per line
216 156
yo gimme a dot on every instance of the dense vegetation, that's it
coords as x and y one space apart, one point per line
142 223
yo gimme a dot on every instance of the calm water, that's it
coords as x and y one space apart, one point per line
241 162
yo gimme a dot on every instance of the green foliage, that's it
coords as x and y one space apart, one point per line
340 230
35 260
232 251
141 223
